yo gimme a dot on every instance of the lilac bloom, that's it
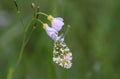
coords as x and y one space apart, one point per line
50 31
57 23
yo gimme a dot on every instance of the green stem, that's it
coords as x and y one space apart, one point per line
40 21
23 43
12 70
26 28
38 13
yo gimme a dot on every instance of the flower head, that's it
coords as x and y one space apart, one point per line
61 53
50 31
57 23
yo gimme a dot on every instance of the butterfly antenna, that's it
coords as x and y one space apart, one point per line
65 32
62 36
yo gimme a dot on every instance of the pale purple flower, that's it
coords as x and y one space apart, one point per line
50 31
57 23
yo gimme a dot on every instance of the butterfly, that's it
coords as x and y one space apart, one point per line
61 53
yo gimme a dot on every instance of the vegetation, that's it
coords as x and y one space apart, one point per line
93 38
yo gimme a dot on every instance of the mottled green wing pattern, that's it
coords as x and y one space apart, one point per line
62 55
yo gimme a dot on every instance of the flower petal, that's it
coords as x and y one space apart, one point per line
57 23
51 32
59 18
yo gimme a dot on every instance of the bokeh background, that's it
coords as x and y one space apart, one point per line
94 39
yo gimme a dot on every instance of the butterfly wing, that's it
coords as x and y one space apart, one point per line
61 54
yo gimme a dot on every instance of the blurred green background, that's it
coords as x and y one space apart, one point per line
94 39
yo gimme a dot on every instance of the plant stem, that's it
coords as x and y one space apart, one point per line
42 13
40 21
11 69
23 43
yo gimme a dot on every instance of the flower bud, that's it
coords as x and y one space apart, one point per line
50 18
33 5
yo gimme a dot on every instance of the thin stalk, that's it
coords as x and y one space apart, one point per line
38 13
39 21
23 43
11 69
